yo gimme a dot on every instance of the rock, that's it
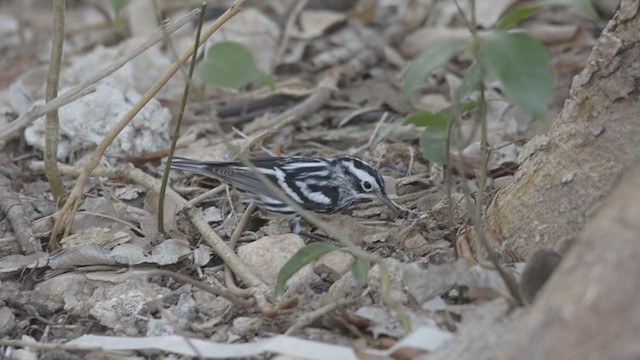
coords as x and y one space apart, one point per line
105 107
266 256
396 277
333 265
69 291
7 321
345 287
117 306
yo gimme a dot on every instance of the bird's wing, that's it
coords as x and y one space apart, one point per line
315 196
233 173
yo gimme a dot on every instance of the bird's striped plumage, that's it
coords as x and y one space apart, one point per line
321 185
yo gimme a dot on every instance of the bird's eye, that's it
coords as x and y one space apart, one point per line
366 185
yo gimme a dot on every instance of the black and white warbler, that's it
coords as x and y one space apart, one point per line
321 185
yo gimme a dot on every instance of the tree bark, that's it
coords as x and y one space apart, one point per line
590 308
566 174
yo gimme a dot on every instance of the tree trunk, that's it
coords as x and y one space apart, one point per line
567 173
590 309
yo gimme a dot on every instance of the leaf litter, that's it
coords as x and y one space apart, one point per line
99 275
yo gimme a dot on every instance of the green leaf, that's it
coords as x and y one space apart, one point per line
439 120
428 61
303 257
516 16
231 65
360 270
433 143
442 118
470 81
117 6
584 5
521 63
466 106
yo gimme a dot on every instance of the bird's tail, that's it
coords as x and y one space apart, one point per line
195 166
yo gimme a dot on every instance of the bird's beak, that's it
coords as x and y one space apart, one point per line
389 203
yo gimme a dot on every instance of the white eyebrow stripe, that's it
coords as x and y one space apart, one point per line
282 181
361 174
314 196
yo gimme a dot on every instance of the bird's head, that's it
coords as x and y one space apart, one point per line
366 182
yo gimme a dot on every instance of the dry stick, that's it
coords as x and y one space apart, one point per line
228 276
321 94
12 207
52 126
195 216
373 136
214 290
72 204
268 133
198 199
86 87
48 346
176 132
113 218
310 317
286 33
168 317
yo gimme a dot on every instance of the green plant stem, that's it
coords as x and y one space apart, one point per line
52 125
481 118
176 132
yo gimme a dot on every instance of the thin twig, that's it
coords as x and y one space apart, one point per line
52 125
211 289
373 136
113 218
228 276
310 317
286 33
481 118
311 104
411 160
87 87
67 213
258 140
46 346
176 132
168 317
198 199
251 140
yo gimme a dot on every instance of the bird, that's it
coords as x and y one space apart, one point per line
318 184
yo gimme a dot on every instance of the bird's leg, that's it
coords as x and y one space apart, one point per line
296 228
295 225
321 238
